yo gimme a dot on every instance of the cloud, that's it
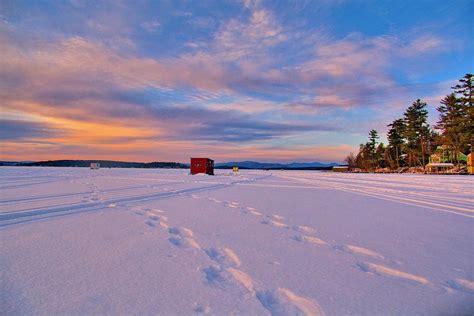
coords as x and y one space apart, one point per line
202 22
333 100
17 130
150 26
77 64
240 39
347 58
424 44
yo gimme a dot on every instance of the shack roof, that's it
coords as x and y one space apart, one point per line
440 164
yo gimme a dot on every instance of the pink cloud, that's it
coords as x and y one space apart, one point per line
424 44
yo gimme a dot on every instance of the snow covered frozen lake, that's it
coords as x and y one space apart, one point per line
156 241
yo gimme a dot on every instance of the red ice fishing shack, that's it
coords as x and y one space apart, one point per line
202 165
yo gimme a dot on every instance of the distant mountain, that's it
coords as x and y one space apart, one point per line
249 165
269 165
104 164
311 164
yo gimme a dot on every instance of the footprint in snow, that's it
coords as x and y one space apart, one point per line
251 210
150 223
201 309
159 219
154 218
284 302
386 271
310 240
137 210
224 256
278 217
217 277
256 213
154 211
183 237
359 251
181 231
225 278
304 229
462 285
184 242
274 223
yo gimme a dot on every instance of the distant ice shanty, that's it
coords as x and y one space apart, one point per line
340 168
202 165
95 165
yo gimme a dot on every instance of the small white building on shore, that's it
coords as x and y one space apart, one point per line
340 168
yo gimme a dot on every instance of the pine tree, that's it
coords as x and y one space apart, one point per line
465 89
396 140
380 156
364 157
465 92
417 132
373 136
451 122
372 144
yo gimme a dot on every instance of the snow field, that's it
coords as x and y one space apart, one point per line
112 241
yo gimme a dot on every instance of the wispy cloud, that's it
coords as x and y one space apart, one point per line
18 130
151 26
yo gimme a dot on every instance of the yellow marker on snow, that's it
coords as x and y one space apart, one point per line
470 163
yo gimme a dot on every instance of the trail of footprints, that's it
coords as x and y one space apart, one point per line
225 273
93 196
306 234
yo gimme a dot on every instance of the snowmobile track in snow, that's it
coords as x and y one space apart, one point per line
17 217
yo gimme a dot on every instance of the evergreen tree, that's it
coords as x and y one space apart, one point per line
465 92
451 123
380 156
465 89
373 136
360 158
396 140
372 144
364 157
417 133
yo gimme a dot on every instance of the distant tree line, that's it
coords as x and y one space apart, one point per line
411 140
103 164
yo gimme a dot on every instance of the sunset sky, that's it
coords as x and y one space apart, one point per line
231 80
